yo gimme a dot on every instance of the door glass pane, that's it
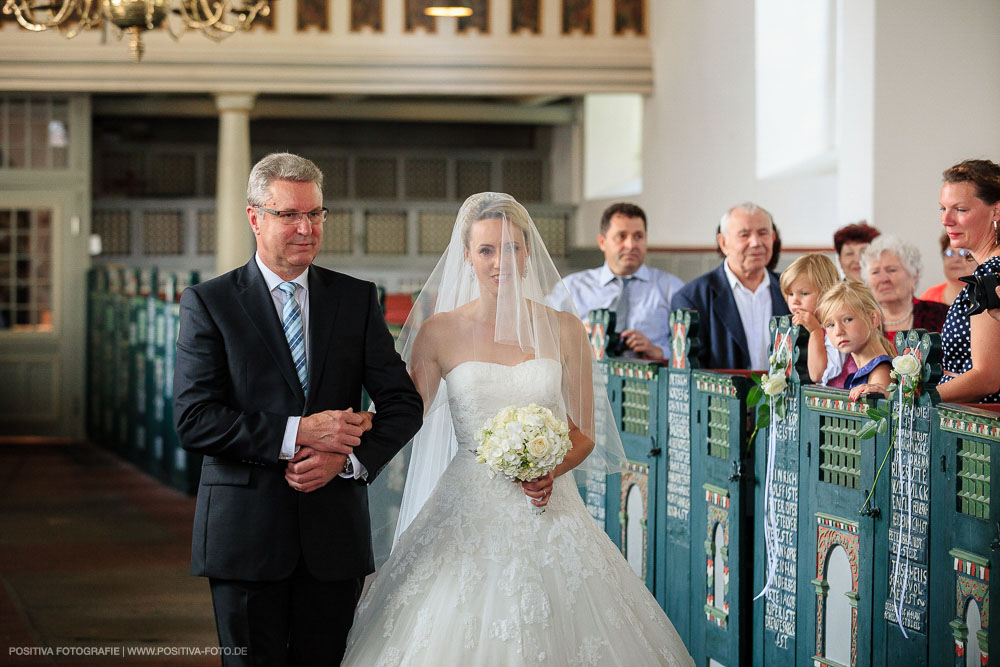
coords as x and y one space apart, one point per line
26 269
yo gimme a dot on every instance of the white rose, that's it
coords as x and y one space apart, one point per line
538 447
906 364
773 385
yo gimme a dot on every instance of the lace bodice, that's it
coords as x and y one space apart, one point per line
477 390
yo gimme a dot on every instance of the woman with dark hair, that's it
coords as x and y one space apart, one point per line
970 213
957 262
850 242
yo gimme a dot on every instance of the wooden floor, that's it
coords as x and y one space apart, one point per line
94 557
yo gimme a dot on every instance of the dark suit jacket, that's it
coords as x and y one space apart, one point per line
723 341
234 388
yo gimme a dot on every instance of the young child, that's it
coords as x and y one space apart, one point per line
853 321
802 283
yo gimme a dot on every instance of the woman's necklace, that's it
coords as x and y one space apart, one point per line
900 320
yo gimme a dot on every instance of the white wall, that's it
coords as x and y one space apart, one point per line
918 92
612 130
937 102
699 135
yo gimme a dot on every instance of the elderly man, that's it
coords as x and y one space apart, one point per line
736 300
639 295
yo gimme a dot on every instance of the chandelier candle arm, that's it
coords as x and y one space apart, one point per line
137 16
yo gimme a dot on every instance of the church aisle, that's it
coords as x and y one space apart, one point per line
94 559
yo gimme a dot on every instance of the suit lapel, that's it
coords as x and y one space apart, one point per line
259 308
727 310
778 305
323 304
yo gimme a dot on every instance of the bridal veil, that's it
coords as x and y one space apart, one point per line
525 326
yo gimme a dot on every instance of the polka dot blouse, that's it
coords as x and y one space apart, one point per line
956 352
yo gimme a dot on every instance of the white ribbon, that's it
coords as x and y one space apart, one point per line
783 351
770 523
898 606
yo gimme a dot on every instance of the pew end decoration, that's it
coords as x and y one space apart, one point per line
602 332
787 365
684 341
786 360
912 377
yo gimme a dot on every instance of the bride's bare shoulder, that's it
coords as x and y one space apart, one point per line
568 322
441 326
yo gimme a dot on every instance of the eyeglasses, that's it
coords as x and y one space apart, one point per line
951 252
317 217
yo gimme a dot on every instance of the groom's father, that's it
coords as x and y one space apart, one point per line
271 361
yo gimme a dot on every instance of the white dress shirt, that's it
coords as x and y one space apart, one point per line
288 446
649 296
755 313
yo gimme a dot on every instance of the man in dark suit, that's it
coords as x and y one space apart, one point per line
271 361
735 302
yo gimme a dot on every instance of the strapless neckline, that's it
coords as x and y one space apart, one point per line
494 363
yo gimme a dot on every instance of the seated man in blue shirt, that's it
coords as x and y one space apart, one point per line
639 295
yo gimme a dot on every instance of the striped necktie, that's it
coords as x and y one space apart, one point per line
621 308
291 322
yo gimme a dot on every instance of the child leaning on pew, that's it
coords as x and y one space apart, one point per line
853 321
802 284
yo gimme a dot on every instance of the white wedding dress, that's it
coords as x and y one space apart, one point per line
479 579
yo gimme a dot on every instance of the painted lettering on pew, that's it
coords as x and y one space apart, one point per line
915 552
679 449
779 608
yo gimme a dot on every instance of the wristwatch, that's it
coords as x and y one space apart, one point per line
349 467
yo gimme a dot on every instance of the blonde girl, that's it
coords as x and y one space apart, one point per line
802 284
853 320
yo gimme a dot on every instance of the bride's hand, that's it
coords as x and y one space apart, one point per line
540 490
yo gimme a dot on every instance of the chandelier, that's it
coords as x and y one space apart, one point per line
214 18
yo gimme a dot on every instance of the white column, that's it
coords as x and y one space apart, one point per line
234 242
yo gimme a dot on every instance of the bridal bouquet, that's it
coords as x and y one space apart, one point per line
522 444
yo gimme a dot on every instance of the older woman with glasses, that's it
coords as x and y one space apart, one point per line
891 268
957 262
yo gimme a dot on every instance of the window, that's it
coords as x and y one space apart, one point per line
795 85
26 269
34 132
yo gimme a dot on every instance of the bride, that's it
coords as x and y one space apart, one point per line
478 576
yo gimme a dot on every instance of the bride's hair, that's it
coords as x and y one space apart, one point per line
485 208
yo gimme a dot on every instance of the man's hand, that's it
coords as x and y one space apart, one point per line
334 431
539 491
637 341
311 469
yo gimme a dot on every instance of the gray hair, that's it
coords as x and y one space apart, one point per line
908 255
280 167
748 207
